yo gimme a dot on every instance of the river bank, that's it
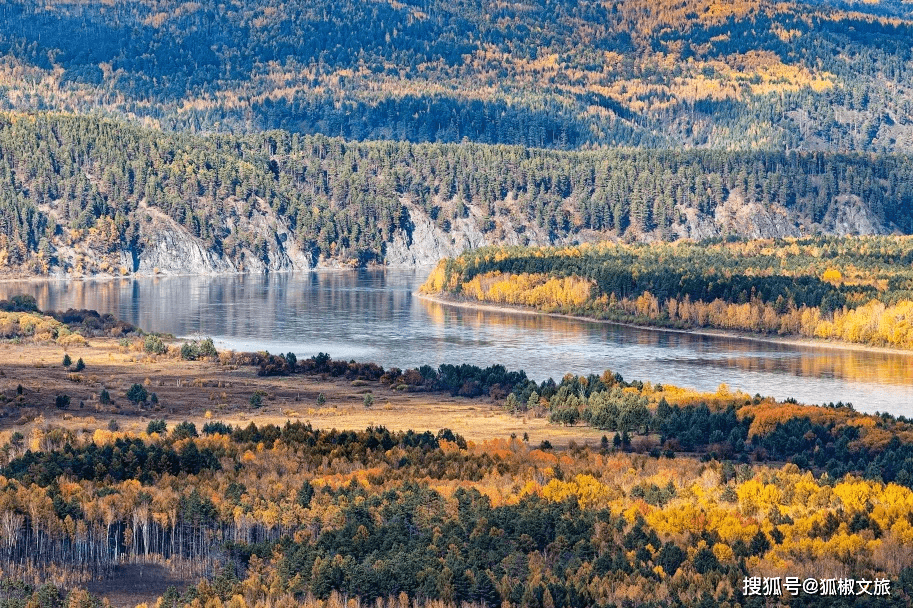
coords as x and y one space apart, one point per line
371 315
713 333
12 277
203 391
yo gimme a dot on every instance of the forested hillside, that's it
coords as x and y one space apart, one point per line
84 195
752 74
159 136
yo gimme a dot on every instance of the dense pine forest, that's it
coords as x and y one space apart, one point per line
751 74
163 136
853 289
86 195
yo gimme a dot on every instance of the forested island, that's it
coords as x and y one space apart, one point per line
857 290
223 476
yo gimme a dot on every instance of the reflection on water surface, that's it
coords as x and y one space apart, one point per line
372 315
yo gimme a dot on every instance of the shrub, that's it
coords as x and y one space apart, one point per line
137 393
184 430
20 303
62 401
156 426
154 345
104 397
321 399
190 351
70 340
207 348
256 400
369 400
274 365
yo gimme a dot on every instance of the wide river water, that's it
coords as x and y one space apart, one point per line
371 315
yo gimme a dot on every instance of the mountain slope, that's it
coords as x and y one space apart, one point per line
752 74
84 195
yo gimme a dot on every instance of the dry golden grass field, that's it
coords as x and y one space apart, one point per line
198 391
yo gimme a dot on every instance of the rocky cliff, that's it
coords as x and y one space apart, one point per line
845 215
165 247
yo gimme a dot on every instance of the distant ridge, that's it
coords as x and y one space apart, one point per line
751 74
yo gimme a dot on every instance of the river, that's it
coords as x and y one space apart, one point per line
371 315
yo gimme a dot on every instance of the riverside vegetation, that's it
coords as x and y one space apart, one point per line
685 494
851 289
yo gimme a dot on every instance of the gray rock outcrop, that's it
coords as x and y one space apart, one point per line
165 247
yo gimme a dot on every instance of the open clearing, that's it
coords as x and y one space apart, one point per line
134 584
199 391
